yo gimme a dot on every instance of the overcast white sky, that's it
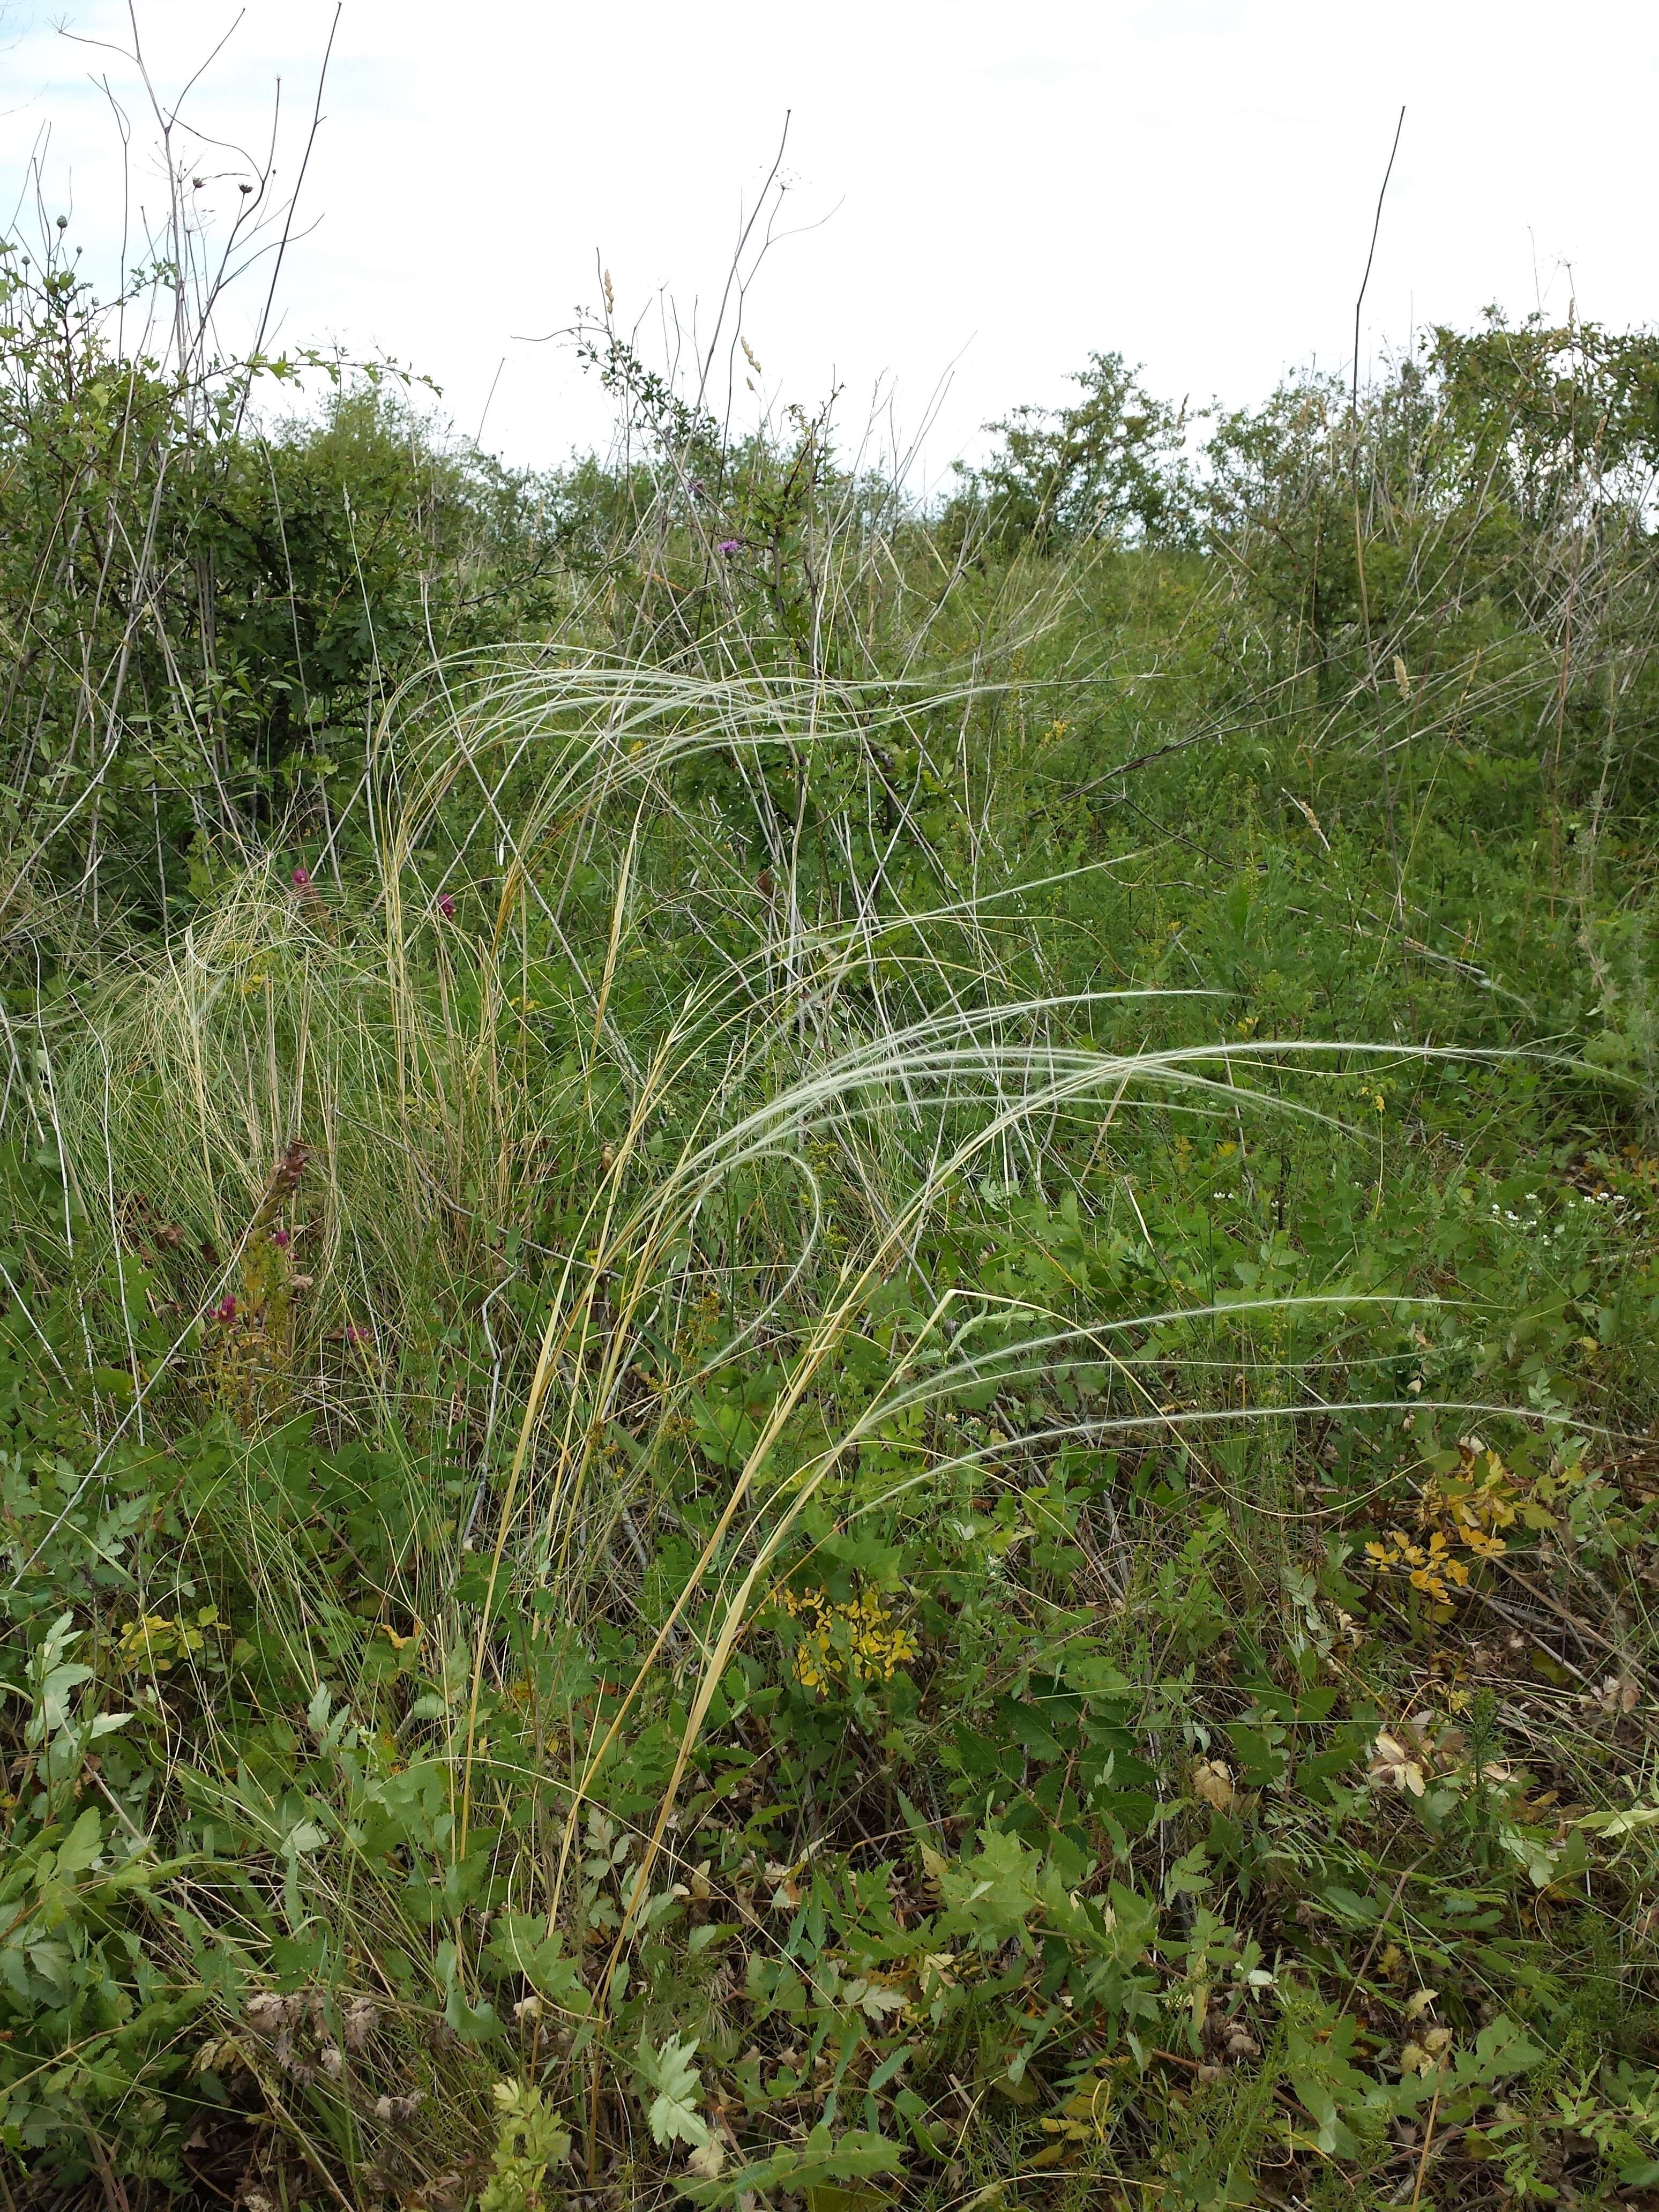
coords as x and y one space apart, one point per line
981 193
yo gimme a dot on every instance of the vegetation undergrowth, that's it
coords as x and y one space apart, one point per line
829 1333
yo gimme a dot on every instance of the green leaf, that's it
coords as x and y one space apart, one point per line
839 2196
673 2116
820 2162
1501 2049
1189 1876
81 1846
1626 1823
519 1944
992 1895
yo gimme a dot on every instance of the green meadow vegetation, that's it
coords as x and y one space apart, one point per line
829 1327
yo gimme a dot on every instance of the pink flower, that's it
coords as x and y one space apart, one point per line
302 880
225 1309
729 545
446 907
281 1239
356 1335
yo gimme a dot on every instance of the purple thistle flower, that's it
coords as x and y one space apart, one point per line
281 1239
729 546
446 907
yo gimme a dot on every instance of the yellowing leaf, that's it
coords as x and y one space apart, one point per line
1213 1782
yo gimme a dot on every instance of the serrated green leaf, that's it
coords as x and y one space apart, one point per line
673 2116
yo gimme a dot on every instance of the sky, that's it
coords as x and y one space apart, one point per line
977 194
